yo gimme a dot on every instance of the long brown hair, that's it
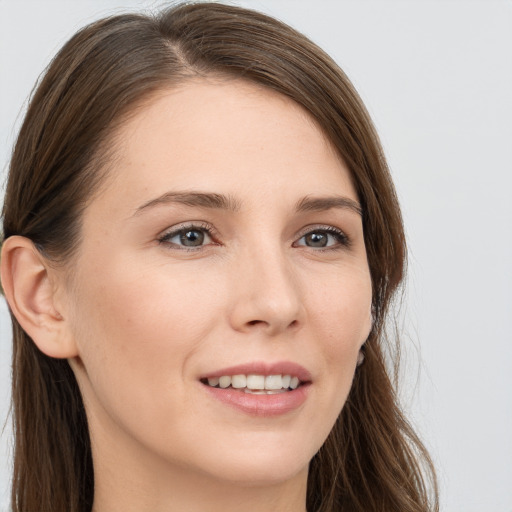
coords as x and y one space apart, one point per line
372 460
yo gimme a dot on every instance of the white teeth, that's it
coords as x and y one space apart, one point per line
239 381
255 381
225 381
273 382
257 384
213 381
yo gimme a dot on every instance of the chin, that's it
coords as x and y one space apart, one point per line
262 460
262 473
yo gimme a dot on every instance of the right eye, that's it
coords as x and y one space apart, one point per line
187 237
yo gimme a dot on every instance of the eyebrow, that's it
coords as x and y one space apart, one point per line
319 204
197 199
223 202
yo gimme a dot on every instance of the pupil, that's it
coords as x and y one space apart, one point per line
316 240
192 238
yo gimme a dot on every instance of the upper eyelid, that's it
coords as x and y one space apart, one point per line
344 240
164 238
199 225
212 232
321 227
208 227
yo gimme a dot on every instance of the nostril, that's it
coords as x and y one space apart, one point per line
293 324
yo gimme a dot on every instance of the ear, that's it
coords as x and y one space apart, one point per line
31 288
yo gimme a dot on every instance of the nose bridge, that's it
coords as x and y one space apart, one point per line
267 291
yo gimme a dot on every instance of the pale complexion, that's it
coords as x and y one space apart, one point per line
144 318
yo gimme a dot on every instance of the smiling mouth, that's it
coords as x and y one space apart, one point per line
255 384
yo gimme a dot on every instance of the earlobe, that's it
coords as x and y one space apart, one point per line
30 289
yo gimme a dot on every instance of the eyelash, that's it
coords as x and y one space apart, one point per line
201 227
341 238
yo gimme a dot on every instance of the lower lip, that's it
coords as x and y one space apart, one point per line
260 405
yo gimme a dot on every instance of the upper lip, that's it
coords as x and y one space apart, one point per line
263 368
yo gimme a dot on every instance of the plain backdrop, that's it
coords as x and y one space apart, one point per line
437 79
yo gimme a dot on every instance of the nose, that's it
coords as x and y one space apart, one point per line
267 294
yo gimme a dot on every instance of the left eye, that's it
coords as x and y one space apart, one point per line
322 238
188 237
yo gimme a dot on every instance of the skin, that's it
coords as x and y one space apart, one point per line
144 318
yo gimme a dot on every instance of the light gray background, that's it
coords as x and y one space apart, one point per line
437 79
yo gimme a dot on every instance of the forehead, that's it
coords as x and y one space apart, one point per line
229 136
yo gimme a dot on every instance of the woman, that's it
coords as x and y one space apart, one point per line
202 241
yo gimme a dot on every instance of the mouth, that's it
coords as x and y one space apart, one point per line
260 389
255 384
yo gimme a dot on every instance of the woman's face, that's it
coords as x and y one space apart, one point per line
226 242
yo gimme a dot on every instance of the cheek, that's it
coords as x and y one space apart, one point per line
344 321
135 340
340 321
136 335
341 309
150 316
